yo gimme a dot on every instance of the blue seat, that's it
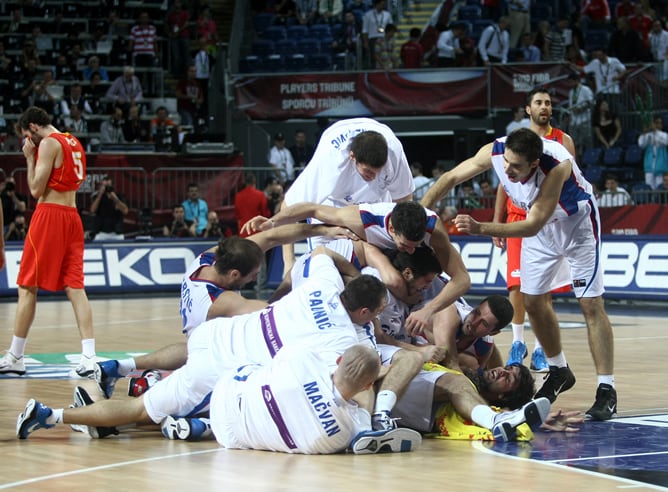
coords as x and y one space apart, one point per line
295 63
309 45
469 13
319 62
633 157
286 47
594 174
613 156
320 31
326 45
263 47
642 193
262 21
250 64
274 33
596 38
630 136
274 63
297 32
592 157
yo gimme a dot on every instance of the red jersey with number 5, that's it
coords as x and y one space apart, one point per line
70 175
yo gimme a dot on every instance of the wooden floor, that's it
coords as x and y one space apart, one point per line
58 459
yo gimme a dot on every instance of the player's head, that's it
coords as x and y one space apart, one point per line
408 225
492 314
522 154
364 298
369 150
239 260
356 370
505 387
417 269
539 106
30 122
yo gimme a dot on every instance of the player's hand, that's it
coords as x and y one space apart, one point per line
417 321
28 147
433 353
499 242
467 224
256 224
561 421
339 232
2 256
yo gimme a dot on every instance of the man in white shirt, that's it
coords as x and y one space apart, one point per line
373 28
281 159
580 102
495 42
658 42
608 72
520 120
614 195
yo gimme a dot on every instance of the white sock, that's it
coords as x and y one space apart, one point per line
56 416
537 345
558 360
483 416
126 366
88 347
385 401
18 346
606 379
518 332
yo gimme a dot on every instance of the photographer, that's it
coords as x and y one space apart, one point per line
109 210
17 229
212 228
111 130
13 202
178 227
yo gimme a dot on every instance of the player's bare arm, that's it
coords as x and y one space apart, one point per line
499 214
471 167
231 303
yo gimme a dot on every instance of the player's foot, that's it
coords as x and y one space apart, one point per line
105 375
82 399
139 386
558 380
605 406
33 417
539 361
86 366
393 441
186 429
533 413
518 351
382 421
10 364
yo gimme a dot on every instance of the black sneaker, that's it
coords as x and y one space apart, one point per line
83 399
558 380
605 406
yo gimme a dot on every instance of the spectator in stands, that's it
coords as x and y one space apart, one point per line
142 42
26 83
491 9
626 43
494 42
13 202
529 52
196 209
520 119
654 140
447 46
126 89
212 228
468 198
76 124
384 50
16 24
273 190
281 159
178 226
203 63
575 56
29 52
641 23
75 98
17 229
178 34
250 202
301 151
606 124
412 52
63 70
624 8
330 12
111 130
557 39
206 26
519 19
43 94
109 210
580 103
306 11
595 14
76 59
93 93
164 132
94 66
189 97
284 11
116 27
658 41
374 22
421 182
5 62
608 71
614 195
348 39
663 190
135 129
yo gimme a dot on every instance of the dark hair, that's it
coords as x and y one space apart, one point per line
364 291
501 308
250 179
522 395
526 143
192 185
370 148
32 115
415 32
238 254
539 89
421 262
409 220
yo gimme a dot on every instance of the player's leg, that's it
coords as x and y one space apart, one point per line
12 362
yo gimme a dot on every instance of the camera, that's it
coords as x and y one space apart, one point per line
108 188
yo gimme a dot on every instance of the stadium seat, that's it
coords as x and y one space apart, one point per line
274 63
633 157
297 32
613 156
262 21
250 64
263 47
319 31
309 45
274 33
295 63
641 193
596 38
592 157
630 136
286 47
594 174
326 45
469 13
319 62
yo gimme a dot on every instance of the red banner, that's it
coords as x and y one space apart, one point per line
510 83
423 92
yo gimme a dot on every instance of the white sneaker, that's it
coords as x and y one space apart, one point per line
9 364
533 413
86 367
393 441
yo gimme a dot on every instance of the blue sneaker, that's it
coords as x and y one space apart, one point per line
397 440
518 352
105 375
33 417
186 429
533 413
539 361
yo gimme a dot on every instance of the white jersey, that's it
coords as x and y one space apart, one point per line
376 220
289 405
331 177
197 295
